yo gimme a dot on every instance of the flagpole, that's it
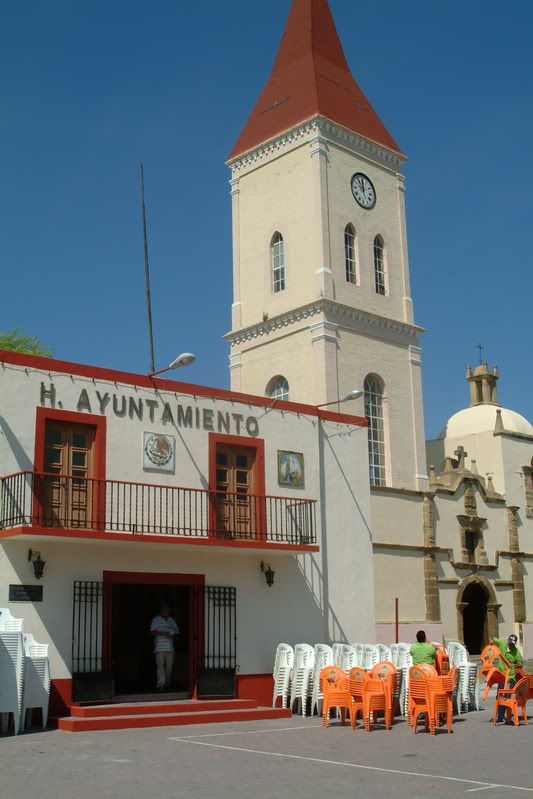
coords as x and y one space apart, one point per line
147 277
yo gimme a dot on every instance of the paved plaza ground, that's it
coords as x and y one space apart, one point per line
290 758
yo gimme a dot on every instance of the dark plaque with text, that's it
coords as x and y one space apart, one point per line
25 593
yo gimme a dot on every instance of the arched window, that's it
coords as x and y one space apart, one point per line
278 263
376 432
349 254
278 388
379 264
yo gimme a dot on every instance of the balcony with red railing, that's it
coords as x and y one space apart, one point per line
69 506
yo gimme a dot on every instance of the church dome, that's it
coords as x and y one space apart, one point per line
482 419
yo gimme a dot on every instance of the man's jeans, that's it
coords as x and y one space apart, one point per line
501 711
164 661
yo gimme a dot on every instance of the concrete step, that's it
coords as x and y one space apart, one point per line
173 719
161 707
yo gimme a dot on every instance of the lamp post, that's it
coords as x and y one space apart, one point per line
185 359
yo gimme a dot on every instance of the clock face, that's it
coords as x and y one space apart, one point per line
363 190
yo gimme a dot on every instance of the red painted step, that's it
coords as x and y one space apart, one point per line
92 724
159 708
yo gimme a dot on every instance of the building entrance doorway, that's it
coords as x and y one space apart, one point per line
132 646
475 626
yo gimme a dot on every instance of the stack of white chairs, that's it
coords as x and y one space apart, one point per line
323 658
370 657
384 653
394 653
36 692
348 658
337 654
11 679
282 674
407 661
359 654
301 678
403 652
467 684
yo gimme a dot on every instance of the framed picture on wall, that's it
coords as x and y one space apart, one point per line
291 469
159 453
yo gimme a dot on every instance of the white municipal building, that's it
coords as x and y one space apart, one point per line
136 491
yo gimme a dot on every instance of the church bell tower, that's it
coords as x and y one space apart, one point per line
321 289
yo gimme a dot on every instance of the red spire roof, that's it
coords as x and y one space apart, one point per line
310 76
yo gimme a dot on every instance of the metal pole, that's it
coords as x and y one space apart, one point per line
147 276
396 621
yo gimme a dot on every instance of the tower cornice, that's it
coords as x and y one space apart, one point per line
303 133
342 315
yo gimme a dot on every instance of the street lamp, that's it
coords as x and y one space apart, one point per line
185 359
355 393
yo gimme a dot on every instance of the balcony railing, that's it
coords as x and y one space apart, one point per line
31 499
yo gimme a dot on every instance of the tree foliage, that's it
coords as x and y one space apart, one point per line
16 341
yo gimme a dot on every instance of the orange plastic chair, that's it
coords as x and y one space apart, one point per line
429 671
335 689
418 696
514 698
440 693
494 668
377 695
357 678
442 663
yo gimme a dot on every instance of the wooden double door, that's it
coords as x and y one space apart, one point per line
236 504
68 491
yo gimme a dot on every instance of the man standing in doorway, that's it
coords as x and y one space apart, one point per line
163 629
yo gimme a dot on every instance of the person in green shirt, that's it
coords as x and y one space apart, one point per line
513 655
422 652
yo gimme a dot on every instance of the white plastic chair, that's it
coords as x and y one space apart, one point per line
359 654
302 671
403 652
394 653
11 679
384 653
348 658
337 654
370 656
282 674
8 624
36 690
323 658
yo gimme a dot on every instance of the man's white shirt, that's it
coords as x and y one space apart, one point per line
161 642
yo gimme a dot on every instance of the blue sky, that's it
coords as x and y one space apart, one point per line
91 89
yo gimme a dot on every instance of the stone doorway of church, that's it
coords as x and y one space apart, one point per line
475 625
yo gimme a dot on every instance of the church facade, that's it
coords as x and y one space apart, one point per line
322 305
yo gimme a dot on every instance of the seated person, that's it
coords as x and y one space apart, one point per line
422 652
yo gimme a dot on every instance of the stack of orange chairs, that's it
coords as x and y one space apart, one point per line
373 692
431 695
442 662
357 680
335 688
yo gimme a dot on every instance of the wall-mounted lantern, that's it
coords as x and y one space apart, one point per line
269 573
38 563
